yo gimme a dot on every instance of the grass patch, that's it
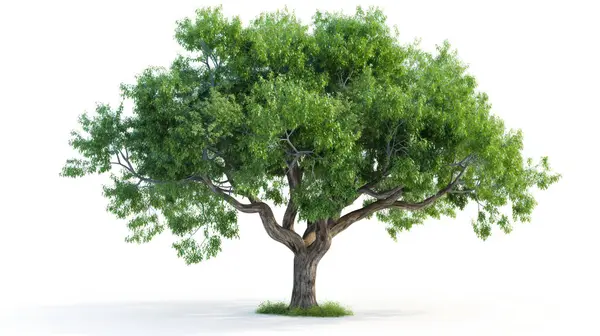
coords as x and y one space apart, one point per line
327 309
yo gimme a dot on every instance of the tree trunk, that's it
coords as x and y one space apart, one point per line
305 276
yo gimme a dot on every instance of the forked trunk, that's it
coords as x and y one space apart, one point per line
305 276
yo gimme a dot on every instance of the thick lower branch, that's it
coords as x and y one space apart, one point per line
392 202
350 218
287 237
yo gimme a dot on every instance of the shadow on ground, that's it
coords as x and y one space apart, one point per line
170 318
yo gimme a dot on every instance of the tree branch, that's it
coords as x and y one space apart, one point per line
129 168
309 235
430 200
392 148
245 208
348 219
297 154
294 176
289 142
321 234
392 202
379 195
466 191
286 237
323 229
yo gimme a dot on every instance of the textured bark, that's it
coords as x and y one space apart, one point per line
280 234
305 269
294 177
389 200
304 293
310 234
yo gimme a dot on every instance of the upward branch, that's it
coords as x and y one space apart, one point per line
294 176
221 128
430 200
348 219
392 202
287 237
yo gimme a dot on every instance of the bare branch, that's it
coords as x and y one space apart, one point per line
459 192
393 147
246 208
209 56
126 159
430 200
379 195
464 162
302 152
341 79
289 142
295 152
130 169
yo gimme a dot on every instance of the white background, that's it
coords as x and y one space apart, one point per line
538 61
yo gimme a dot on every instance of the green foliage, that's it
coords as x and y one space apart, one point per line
273 308
342 99
328 309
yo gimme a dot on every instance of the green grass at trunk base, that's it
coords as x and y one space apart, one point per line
327 309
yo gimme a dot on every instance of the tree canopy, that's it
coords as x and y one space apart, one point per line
313 117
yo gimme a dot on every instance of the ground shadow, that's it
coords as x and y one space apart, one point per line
171 318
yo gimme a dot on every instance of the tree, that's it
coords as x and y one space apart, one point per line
314 118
